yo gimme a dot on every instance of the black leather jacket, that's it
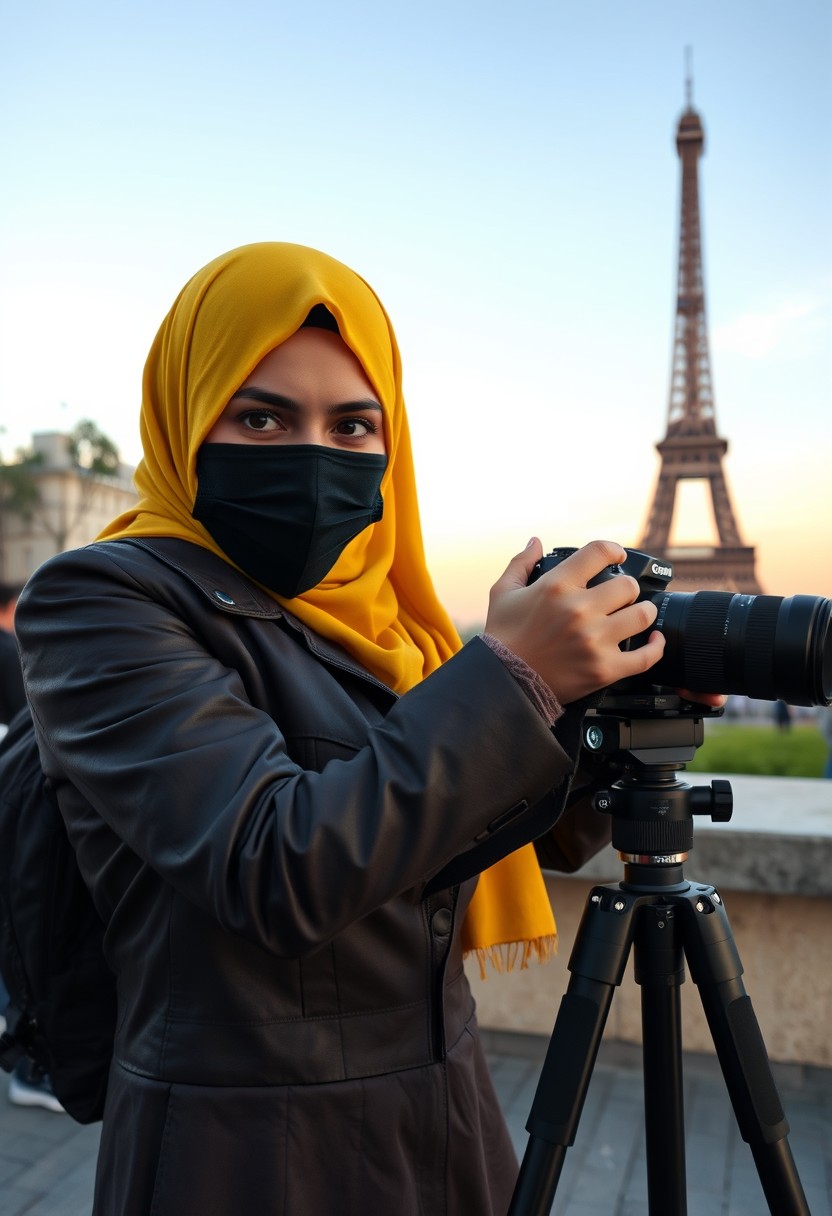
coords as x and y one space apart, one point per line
258 818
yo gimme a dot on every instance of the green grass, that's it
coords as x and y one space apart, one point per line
738 748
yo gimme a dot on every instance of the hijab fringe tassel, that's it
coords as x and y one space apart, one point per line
505 957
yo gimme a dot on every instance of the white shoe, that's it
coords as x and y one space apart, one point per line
27 1087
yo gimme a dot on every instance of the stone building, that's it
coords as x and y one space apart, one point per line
74 505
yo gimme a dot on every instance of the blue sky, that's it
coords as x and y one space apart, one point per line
506 178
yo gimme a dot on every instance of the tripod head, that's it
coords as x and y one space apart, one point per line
649 737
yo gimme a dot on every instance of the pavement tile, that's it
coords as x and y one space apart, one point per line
47 1161
55 1166
19 1203
72 1197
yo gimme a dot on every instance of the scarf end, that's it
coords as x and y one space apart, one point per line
504 958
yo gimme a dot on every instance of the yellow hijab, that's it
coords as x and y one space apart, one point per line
378 601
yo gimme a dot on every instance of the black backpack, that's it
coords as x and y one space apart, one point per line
62 1007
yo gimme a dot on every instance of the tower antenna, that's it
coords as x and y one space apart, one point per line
689 76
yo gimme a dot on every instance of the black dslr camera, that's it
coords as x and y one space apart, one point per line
761 646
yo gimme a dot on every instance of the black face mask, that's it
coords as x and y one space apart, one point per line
285 513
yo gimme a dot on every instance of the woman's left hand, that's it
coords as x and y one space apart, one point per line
713 699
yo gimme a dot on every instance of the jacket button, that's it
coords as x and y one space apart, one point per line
441 922
223 598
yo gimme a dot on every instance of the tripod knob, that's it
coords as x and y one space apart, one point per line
602 801
715 800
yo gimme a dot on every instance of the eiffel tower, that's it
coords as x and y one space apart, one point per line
691 448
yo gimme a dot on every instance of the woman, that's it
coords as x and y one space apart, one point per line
267 745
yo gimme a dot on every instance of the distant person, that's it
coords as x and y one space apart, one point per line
825 725
12 695
782 715
28 1085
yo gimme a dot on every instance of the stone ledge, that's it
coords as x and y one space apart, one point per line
779 839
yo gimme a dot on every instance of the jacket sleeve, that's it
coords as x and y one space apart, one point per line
159 738
580 831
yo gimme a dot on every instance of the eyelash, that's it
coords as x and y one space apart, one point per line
371 427
247 415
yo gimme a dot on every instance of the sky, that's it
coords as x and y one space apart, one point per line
506 178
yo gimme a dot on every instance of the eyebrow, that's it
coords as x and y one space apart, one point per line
286 403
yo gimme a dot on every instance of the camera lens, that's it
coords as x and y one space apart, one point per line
760 646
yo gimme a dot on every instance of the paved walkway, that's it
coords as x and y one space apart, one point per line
47 1161
605 1171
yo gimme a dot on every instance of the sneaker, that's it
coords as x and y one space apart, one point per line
28 1086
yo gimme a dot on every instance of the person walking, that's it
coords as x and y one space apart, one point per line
12 694
825 727
29 1085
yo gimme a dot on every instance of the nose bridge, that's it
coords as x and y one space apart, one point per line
313 425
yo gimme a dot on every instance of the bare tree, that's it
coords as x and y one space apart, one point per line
91 450
92 456
19 494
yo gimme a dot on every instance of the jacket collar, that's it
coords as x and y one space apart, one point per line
231 592
224 587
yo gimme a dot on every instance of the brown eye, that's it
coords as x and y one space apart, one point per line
259 420
356 428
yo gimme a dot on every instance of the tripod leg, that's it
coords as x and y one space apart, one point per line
597 964
715 968
659 969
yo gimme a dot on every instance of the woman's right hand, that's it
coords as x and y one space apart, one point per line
568 632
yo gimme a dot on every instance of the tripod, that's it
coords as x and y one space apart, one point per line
666 919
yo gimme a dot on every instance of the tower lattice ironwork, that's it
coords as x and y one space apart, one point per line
691 448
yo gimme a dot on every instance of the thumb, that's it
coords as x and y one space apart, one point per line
521 565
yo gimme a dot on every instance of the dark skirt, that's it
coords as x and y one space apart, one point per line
421 1142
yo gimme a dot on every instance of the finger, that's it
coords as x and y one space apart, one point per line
591 560
616 593
516 573
631 619
634 662
715 699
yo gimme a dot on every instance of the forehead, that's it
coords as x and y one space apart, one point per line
312 360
